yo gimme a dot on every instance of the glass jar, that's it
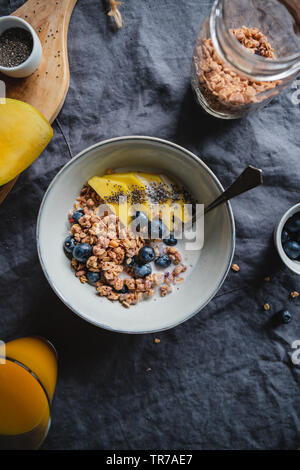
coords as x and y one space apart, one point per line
247 51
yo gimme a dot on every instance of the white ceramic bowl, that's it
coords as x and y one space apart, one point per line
292 264
209 266
33 61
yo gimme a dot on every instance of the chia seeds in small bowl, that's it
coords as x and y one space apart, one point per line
16 45
20 47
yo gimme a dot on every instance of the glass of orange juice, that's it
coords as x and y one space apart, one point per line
28 373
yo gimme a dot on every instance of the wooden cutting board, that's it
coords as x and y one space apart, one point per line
47 88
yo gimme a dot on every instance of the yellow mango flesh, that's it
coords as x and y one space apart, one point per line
169 208
107 185
24 134
129 181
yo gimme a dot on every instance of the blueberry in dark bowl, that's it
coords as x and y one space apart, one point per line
163 261
157 229
77 215
82 252
124 290
69 245
142 270
293 224
170 241
292 249
286 316
146 255
92 277
285 236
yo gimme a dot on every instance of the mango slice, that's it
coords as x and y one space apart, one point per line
114 184
24 134
129 179
106 187
133 181
169 209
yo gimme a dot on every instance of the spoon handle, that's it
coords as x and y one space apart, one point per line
249 179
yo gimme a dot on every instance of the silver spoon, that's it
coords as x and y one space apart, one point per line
249 179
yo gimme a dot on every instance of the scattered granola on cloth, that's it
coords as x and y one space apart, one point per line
114 12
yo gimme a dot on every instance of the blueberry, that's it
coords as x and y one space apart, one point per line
124 290
146 255
285 236
171 241
292 249
293 224
142 270
92 277
142 220
82 252
141 215
69 244
157 229
286 316
163 261
77 215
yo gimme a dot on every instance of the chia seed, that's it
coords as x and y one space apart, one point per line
15 47
113 198
158 192
176 193
137 195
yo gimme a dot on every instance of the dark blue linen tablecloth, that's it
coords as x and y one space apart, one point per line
224 379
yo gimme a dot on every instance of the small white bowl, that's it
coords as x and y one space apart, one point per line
292 264
209 266
33 61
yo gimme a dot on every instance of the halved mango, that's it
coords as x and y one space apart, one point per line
24 134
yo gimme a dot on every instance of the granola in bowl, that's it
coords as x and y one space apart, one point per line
207 267
120 263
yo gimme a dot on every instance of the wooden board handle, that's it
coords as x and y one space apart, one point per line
47 88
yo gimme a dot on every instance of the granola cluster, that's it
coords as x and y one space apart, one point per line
113 248
221 86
